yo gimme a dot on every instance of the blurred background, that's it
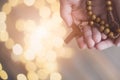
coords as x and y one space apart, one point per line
32 46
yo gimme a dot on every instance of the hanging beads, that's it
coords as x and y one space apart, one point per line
109 5
104 27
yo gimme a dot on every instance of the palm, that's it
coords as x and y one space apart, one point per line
91 35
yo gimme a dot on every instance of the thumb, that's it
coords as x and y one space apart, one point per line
65 11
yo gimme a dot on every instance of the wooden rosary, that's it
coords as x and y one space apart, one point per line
110 28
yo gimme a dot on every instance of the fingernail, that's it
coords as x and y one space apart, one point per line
91 43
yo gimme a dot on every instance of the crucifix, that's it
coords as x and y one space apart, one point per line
76 32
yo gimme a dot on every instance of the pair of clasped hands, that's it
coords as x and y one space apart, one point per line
72 11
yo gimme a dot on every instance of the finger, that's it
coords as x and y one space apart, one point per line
88 36
65 11
104 44
117 42
103 36
79 15
96 35
81 43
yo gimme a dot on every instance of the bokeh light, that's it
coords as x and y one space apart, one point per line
45 12
9 43
20 25
41 42
7 8
32 36
17 49
32 76
4 36
0 66
29 2
50 1
21 77
55 76
3 75
2 26
2 17
43 74
13 3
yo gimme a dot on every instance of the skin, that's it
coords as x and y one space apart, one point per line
73 11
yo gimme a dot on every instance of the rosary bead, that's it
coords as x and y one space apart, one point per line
111 34
91 23
109 3
90 13
98 19
89 8
106 25
110 8
107 31
102 28
89 2
93 17
102 22
118 30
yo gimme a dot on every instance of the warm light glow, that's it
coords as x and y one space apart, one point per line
43 74
2 17
0 66
50 1
51 56
65 52
3 75
4 36
55 76
21 77
40 63
51 67
29 55
43 40
32 76
39 3
29 26
7 8
9 43
58 42
45 12
13 3
20 25
29 2
55 6
2 26
17 49
57 19
30 66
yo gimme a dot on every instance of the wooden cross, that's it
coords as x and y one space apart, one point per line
75 33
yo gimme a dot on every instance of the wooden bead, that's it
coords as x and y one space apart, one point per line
111 34
107 31
102 22
98 19
109 3
106 25
91 23
89 2
89 8
102 28
110 8
118 30
90 13
93 17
